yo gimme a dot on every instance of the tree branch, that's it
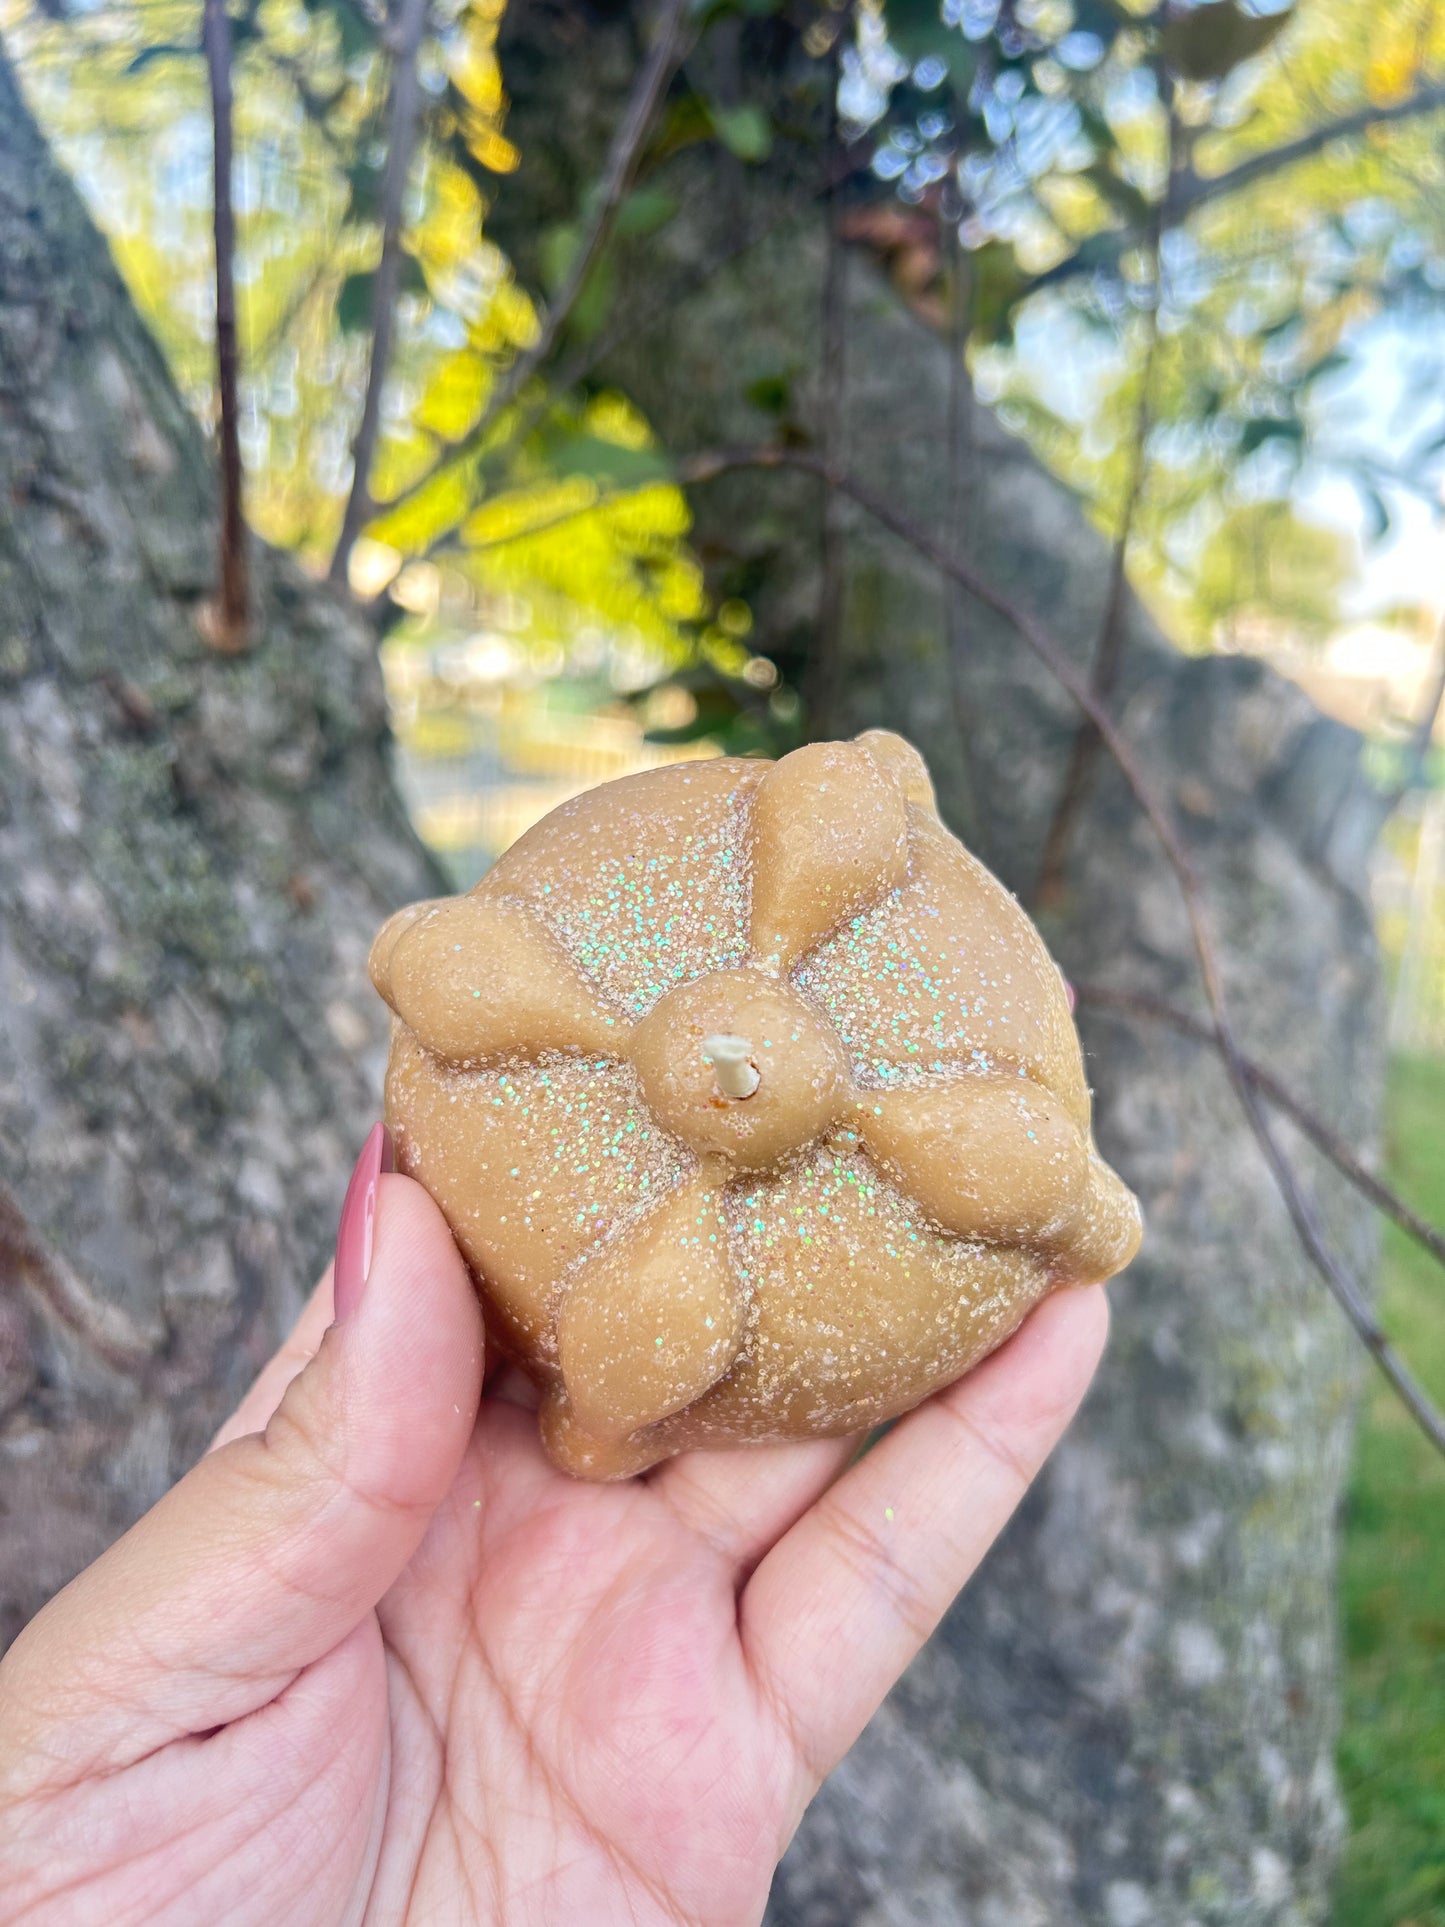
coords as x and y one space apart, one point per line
1325 1141
1193 190
1109 646
825 682
653 79
232 611
1196 190
961 454
405 117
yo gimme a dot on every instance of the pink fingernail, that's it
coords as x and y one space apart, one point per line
358 1223
1069 993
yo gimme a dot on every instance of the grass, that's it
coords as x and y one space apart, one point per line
1392 1753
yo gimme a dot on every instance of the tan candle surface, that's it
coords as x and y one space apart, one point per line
752 1099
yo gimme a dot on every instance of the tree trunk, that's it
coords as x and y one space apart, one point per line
1130 1718
194 854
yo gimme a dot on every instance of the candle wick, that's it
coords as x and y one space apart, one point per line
732 1067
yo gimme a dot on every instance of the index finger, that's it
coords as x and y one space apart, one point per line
845 1599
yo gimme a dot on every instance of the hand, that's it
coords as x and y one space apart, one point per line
374 1659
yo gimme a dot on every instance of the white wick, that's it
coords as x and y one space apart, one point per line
729 1057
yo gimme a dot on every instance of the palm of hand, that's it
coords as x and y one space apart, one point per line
549 1717
570 1702
584 1733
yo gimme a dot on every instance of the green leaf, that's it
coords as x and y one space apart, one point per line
353 304
744 131
1377 512
365 183
1102 17
1265 428
998 284
916 30
594 299
356 32
413 279
645 210
771 393
1328 364
163 50
1096 127
1280 327
608 462
1122 195
1208 42
685 121
556 252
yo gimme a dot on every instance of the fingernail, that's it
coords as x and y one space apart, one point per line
358 1223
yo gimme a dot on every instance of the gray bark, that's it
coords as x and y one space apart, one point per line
1130 1717
194 855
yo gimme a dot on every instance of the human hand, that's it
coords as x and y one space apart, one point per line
375 1659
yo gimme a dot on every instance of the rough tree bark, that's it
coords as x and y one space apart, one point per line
1130 1718
194 855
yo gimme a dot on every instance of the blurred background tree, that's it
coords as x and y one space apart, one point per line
1192 259
548 324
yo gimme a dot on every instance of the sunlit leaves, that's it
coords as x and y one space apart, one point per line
1268 565
440 504
1036 131
124 97
453 396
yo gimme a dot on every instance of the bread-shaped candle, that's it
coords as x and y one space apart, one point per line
752 1099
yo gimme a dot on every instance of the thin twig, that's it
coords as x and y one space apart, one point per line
824 692
1108 648
1325 1141
102 1325
960 503
652 82
405 118
1194 190
232 615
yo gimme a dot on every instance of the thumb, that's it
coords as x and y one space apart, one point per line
273 1548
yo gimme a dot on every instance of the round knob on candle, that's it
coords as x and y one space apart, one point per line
790 1068
731 1057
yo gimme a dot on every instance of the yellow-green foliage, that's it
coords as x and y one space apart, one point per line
123 94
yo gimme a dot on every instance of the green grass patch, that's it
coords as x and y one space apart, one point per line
1392 1753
